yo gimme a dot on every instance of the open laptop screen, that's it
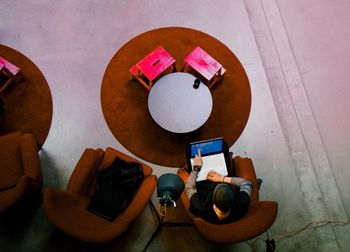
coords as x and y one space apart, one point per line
208 147
215 155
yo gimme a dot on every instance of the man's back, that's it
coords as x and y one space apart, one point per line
201 203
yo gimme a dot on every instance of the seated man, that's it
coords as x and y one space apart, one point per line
215 200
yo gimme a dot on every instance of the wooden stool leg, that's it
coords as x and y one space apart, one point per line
173 67
144 84
185 68
2 104
5 86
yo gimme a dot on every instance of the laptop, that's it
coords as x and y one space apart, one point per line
214 154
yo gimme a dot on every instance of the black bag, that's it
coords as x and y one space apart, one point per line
115 188
108 201
127 174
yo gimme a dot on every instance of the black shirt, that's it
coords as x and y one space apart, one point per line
201 203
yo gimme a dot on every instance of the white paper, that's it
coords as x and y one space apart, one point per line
213 162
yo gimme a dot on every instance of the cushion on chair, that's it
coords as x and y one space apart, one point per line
67 211
141 198
10 160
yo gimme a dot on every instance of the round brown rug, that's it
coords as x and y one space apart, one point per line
124 102
28 104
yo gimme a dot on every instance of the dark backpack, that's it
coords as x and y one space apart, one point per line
128 175
115 188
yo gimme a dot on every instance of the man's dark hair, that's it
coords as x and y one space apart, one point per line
223 197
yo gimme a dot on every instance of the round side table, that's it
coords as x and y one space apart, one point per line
176 105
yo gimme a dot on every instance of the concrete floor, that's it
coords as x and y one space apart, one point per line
295 54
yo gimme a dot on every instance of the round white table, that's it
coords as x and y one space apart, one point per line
175 105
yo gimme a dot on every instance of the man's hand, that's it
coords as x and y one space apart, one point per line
215 177
198 161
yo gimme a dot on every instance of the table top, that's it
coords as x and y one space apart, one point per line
203 63
9 66
155 63
175 105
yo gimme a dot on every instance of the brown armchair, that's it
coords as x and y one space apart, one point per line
67 209
259 217
20 172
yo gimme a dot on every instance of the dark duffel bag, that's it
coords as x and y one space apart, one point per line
115 188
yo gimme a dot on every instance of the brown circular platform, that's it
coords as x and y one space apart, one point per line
124 102
28 104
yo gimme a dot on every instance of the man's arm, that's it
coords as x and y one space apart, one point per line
196 204
190 186
244 184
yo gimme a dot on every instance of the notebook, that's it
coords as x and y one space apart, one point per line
214 162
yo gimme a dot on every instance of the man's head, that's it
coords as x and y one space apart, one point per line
223 197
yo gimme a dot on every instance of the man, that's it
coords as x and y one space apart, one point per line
215 200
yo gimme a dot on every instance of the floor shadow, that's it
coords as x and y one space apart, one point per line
49 170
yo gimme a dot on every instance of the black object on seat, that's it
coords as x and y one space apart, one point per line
108 201
115 187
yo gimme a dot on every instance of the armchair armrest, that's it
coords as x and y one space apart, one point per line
244 168
141 198
85 171
30 157
183 174
26 186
